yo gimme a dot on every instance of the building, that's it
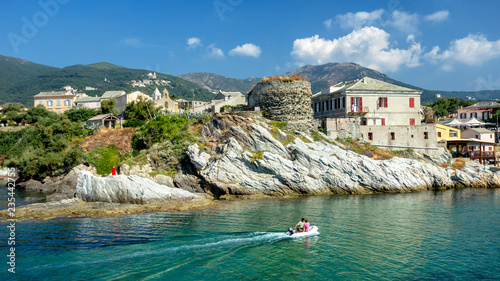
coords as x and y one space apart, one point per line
111 94
124 99
447 133
106 120
57 102
199 106
166 103
481 111
157 95
373 101
227 98
88 102
481 134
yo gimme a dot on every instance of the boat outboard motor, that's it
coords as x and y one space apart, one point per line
290 231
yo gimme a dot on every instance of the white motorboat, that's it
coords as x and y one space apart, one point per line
313 231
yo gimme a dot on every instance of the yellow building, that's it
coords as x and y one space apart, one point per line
55 101
447 133
167 103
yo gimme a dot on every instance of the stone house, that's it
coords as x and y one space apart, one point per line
106 120
167 103
481 111
123 100
375 102
57 102
88 102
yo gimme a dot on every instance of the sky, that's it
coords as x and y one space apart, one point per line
436 45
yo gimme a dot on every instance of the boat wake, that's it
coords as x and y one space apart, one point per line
182 247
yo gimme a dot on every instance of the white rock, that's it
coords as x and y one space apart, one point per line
125 189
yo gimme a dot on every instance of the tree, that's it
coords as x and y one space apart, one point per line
12 107
141 109
108 106
80 114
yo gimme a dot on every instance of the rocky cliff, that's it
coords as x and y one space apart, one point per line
253 158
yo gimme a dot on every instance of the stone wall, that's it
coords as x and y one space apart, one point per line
286 101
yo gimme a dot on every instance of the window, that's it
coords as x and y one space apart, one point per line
473 114
58 112
356 104
426 135
370 136
383 121
453 134
477 136
393 136
412 121
490 148
382 102
58 102
50 103
343 103
412 102
486 115
439 134
40 102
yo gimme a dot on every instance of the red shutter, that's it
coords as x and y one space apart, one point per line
412 102
383 121
352 104
379 102
412 121
385 101
360 104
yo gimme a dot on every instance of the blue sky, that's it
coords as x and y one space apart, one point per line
440 45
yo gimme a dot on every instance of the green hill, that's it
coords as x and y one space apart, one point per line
14 71
103 76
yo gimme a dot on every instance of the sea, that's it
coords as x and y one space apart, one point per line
442 235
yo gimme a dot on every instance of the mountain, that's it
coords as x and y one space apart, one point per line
322 76
214 82
22 80
14 70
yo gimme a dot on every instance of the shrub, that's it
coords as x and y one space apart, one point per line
133 123
104 159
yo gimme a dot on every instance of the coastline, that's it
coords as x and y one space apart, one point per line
76 208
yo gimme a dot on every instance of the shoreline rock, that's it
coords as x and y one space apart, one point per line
250 161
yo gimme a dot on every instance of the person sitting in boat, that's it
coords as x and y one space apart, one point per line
306 226
300 225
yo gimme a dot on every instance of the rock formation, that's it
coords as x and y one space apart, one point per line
126 189
250 160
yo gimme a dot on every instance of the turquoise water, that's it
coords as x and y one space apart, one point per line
450 235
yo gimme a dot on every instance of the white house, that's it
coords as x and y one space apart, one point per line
373 101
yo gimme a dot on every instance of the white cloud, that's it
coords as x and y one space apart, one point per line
438 16
404 22
248 49
470 50
193 42
328 23
368 46
214 53
132 42
359 19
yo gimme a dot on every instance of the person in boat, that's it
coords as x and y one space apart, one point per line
300 225
306 226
